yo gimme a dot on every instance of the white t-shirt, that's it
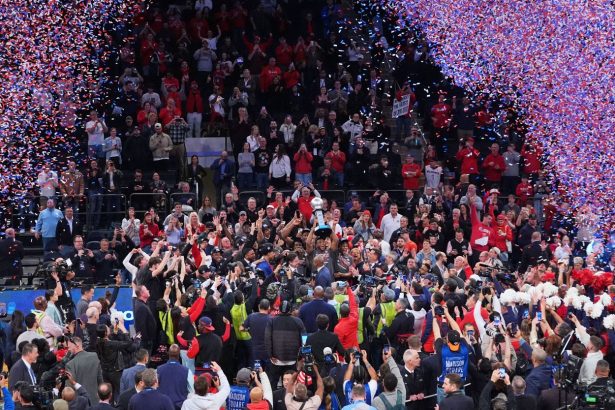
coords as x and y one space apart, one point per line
96 137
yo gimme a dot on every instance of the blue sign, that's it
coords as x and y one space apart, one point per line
23 300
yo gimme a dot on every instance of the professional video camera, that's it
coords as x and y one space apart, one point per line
596 397
46 269
369 282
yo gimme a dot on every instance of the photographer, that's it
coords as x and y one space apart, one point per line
110 347
82 260
356 374
60 281
201 399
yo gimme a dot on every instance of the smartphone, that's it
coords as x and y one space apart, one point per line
470 333
257 365
539 316
502 372
117 320
310 292
386 349
3 312
207 365
497 321
306 349
526 315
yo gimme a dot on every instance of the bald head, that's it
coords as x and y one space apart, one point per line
68 394
518 385
256 395
174 352
539 357
319 292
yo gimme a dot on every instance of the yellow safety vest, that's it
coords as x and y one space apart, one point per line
239 315
387 311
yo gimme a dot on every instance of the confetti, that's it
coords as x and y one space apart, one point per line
553 62
52 64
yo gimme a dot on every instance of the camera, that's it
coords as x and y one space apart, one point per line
48 268
308 357
439 310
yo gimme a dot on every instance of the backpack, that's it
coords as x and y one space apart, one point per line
399 403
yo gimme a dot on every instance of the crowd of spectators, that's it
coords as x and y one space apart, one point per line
452 276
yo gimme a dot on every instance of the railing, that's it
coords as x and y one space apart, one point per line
105 208
142 202
185 198
103 211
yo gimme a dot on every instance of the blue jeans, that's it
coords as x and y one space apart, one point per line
50 244
339 179
186 361
306 179
262 180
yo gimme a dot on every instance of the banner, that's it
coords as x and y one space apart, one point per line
23 300
400 107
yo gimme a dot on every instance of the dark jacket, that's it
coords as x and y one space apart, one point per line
144 321
283 337
539 379
220 176
310 310
321 339
81 400
150 399
457 401
64 236
18 373
108 351
403 324
125 397
11 254
487 395
173 381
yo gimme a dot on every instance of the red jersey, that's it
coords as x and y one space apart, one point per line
441 115
493 173
469 160
267 76
481 233
524 191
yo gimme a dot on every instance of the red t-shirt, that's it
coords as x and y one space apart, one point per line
409 181
441 114
469 160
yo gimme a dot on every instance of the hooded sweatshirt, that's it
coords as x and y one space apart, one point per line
210 401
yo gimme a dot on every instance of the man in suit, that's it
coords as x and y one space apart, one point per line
224 171
76 399
125 397
66 230
128 375
11 254
150 397
322 339
523 401
323 275
85 368
22 370
144 318
310 311
105 394
174 378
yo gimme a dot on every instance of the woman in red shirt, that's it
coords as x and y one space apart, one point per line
148 230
